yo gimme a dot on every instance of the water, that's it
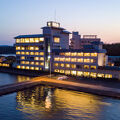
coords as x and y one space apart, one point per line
48 103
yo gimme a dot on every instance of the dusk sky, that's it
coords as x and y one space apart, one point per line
99 17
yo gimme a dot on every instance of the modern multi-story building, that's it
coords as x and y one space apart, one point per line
50 51
77 41
34 51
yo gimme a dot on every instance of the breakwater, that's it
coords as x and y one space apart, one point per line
82 87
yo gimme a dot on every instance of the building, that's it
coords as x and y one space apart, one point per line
77 41
50 51
34 51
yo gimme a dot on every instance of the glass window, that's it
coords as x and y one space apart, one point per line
93 67
74 54
62 59
36 58
86 66
31 40
100 75
56 59
18 40
56 39
108 76
41 53
73 59
80 54
80 60
79 73
94 54
67 59
41 39
67 72
62 71
67 54
36 40
93 75
56 64
86 54
67 65
62 65
86 74
26 40
73 72
56 70
87 60
23 57
73 65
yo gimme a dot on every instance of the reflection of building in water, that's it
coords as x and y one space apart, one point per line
23 78
43 102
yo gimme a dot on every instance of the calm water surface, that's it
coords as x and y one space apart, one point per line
47 103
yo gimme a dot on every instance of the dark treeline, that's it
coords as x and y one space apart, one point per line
112 49
7 50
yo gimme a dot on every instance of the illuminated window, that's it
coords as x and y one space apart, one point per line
36 40
41 39
32 63
42 63
73 66
94 54
62 53
27 53
22 57
23 67
79 73
73 59
67 65
17 47
22 40
36 53
27 62
17 53
31 53
32 40
86 66
22 53
73 72
86 54
27 67
74 54
22 48
36 68
56 64
56 39
86 74
80 60
31 48
80 54
18 66
41 58
56 70
62 59
56 59
100 75
87 60
18 41
32 68
67 59
93 75
36 48
67 72
36 63
61 65
22 62
41 53
93 67
36 58
62 71
92 60
108 76
67 54
26 40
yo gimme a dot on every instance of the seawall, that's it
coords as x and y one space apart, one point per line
82 87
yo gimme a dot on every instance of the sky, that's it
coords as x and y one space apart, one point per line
96 17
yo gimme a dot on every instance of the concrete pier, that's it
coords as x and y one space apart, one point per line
82 87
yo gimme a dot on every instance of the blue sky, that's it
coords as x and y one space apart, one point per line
101 17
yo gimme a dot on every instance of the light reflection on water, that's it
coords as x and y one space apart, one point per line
48 103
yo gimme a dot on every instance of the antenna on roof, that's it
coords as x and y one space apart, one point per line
55 15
